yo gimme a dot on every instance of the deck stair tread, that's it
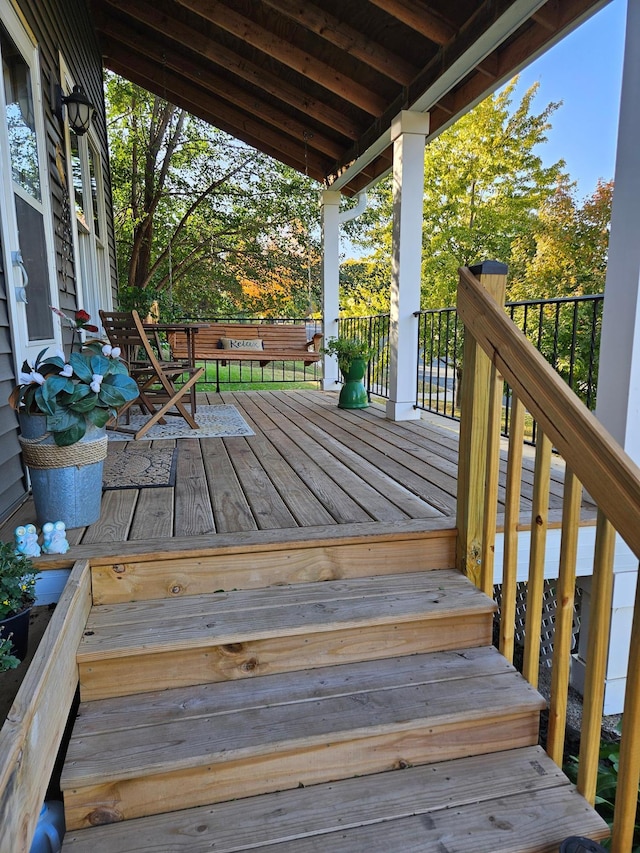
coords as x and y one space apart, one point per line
295 609
516 801
338 720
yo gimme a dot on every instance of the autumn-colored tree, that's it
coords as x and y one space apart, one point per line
196 211
565 251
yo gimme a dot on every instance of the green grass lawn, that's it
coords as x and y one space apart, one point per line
243 376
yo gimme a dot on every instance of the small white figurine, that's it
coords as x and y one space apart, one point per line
26 538
55 538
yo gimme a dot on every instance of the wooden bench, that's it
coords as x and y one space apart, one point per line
280 342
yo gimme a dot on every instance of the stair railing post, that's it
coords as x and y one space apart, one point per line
475 442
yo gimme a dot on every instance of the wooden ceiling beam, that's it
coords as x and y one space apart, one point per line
120 33
506 59
420 17
303 63
171 28
346 38
215 111
548 15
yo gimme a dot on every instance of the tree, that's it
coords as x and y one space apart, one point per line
565 251
197 212
364 287
484 183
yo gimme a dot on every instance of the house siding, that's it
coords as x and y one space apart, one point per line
59 26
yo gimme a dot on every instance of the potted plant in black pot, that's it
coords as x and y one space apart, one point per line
63 408
17 594
353 356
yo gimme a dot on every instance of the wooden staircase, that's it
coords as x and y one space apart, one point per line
358 714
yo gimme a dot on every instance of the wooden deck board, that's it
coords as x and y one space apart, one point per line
347 496
252 727
309 465
296 609
153 518
304 458
395 494
300 500
401 467
269 510
193 512
230 507
380 802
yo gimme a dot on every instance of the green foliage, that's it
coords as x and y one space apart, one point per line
17 581
347 350
364 287
7 660
205 223
565 251
88 389
606 786
484 184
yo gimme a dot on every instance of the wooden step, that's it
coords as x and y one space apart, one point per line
261 558
149 645
507 802
174 749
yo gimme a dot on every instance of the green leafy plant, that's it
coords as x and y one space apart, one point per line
89 388
17 581
606 786
347 350
7 659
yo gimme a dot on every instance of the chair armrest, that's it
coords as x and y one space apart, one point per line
314 344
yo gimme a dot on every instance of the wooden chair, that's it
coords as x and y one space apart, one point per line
156 377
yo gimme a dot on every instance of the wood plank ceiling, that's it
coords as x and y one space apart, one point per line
317 83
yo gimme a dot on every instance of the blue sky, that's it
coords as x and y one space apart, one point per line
584 72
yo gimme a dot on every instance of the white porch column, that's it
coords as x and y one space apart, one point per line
618 400
330 201
408 133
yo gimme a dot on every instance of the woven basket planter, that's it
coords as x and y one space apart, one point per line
66 481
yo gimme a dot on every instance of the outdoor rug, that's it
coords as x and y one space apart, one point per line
215 422
136 467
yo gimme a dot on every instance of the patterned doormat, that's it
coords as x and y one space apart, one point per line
214 421
134 467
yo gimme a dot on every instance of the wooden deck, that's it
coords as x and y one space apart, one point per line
309 465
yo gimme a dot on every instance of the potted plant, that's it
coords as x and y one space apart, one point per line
17 594
353 356
63 408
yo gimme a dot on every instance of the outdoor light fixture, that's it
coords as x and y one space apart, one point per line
79 109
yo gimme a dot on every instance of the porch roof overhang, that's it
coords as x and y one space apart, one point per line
317 83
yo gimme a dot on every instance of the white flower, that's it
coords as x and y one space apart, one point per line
111 352
34 376
96 383
67 371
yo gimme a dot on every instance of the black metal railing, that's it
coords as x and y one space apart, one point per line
374 331
439 361
566 330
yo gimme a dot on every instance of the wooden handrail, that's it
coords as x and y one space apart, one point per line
594 459
602 466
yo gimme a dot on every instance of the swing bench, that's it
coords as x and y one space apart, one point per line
259 342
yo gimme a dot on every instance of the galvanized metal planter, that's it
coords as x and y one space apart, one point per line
66 481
